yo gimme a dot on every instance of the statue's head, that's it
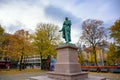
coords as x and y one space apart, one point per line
66 18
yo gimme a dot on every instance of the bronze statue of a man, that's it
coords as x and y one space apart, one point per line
66 30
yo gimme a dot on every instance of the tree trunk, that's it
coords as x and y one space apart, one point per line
95 56
20 67
21 59
41 60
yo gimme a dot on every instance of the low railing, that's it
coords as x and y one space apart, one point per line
101 68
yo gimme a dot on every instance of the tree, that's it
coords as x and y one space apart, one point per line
1 38
81 58
93 33
51 32
91 58
115 31
102 52
1 32
45 39
5 46
81 47
17 46
23 45
110 55
117 55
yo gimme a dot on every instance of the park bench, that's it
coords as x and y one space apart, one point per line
84 69
93 69
105 69
115 70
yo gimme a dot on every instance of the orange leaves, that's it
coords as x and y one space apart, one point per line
14 43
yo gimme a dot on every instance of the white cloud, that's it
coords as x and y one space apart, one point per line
27 13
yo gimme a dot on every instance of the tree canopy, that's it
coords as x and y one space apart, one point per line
13 44
115 31
115 34
45 38
93 33
42 44
110 56
51 31
1 39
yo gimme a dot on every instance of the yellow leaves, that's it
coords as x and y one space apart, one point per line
43 44
42 40
91 58
111 49
115 26
49 51
1 38
51 31
115 31
15 45
1 30
110 55
81 58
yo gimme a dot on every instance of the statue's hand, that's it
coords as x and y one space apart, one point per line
60 30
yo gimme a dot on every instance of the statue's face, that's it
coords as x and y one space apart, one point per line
66 18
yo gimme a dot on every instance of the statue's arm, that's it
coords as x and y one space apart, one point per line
60 30
62 27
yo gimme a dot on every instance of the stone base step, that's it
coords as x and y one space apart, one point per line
46 78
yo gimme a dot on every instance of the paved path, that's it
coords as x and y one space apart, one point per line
23 76
26 76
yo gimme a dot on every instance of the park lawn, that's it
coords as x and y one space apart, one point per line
16 71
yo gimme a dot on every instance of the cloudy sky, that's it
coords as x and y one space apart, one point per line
26 14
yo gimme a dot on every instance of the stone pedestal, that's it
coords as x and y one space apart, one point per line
67 66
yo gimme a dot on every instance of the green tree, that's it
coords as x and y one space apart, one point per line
115 31
110 56
51 31
45 39
93 33
117 55
115 34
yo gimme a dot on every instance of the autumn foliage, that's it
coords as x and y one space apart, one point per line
93 33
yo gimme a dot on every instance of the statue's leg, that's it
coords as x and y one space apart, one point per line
67 37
